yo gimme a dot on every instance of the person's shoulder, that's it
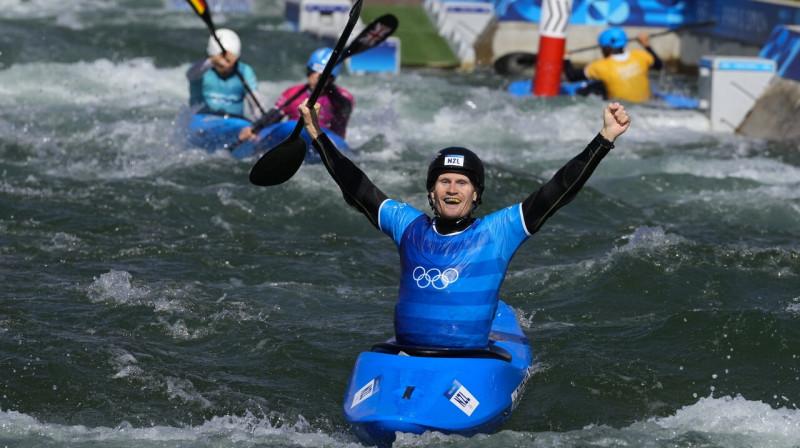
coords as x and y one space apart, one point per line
345 93
597 62
289 93
399 206
512 212
397 216
294 89
642 54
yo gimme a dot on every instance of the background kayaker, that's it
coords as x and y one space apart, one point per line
336 102
214 84
623 72
452 265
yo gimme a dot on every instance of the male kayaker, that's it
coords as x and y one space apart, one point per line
453 264
336 102
214 84
622 72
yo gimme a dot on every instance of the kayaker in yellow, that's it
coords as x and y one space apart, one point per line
622 72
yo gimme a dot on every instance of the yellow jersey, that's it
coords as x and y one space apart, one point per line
625 78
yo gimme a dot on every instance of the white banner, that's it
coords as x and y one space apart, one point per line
555 17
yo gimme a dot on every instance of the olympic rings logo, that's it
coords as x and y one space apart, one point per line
434 277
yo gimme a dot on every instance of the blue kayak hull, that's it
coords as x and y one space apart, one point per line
213 132
583 88
453 391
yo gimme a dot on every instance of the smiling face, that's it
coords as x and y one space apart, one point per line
453 196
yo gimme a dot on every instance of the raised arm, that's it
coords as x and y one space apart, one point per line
615 121
644 41
358 191
567 182
198 68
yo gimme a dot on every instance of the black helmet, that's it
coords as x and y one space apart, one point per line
457 160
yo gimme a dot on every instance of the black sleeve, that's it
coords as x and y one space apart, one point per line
342 104
657 64
358 191
564 186
573 74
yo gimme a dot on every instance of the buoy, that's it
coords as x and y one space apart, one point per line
552 39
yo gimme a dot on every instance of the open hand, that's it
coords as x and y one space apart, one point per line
247 134
644 39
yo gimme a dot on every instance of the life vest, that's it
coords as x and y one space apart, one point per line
449 284
223 95
625 78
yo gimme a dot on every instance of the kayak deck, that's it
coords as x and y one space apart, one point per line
593 87
213 132
454 391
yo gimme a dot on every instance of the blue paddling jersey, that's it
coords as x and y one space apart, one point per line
223 95
450 284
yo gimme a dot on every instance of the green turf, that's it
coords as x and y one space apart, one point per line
420 43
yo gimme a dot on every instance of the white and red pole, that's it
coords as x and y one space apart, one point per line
552 37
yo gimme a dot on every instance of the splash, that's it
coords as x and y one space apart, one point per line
116 286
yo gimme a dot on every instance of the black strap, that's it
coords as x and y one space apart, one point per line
492 351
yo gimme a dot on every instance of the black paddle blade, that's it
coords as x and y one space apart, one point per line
376 32
279 164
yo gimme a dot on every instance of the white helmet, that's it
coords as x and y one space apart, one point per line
229 40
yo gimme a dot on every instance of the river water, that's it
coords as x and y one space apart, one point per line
152 297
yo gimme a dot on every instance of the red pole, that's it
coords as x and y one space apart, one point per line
552 38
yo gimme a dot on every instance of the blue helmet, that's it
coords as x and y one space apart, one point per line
319 59
613 37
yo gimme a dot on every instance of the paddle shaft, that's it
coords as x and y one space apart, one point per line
201 9
280 163
332 62
258 126
370 37
660 33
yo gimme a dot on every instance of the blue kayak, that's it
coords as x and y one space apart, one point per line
214 132
584 88
454 391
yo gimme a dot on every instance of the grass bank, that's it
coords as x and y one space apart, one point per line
420 43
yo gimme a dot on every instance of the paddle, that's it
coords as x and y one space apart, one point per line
281 162
201 8
660 33
514 63
371 36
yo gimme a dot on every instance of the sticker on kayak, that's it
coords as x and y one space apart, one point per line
366 391
460 396
517 394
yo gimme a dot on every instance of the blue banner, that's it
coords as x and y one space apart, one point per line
783 47
601 12
746 21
